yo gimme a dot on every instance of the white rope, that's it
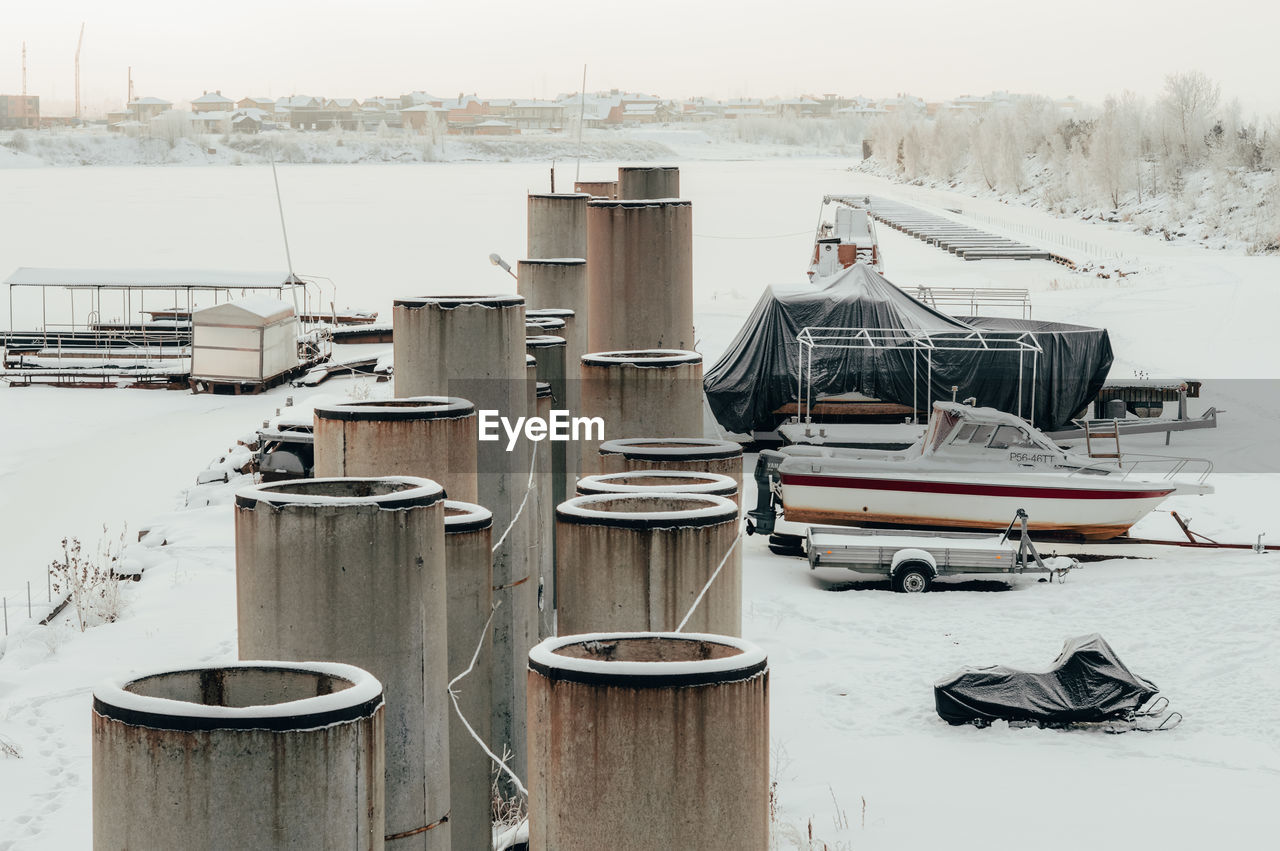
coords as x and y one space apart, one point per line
528 489
706 587
453 696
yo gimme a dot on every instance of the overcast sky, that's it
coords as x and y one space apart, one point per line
673 48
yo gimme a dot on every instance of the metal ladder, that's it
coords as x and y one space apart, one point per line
1103 430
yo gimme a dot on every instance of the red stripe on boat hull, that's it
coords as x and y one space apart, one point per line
967 488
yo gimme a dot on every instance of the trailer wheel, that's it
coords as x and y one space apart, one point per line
786 545
911 579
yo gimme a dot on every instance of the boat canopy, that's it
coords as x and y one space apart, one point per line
758 372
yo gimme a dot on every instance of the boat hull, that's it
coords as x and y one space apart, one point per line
1093 513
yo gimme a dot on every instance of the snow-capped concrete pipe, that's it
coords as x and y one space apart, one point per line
683 761
640 274
353 570
569 397
660 481
551 353
557 283
684 454
468 562
605 189
473 347
546 477
639 562
557 225
655 392
429 436
642 182
238 756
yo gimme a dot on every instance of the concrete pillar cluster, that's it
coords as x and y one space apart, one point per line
640 274
557 225
654 392
237 756
662 739
468 562
353 570
474 347
638 561
429 436
645 182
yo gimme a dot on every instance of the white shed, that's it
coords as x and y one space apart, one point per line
251 340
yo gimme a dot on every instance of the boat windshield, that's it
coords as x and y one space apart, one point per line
940 428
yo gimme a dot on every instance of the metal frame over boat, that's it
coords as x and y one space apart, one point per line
973 469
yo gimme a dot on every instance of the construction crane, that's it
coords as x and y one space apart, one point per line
24 69
78 46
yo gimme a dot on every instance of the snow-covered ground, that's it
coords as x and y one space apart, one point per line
859 754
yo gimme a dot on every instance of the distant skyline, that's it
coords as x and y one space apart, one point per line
935 49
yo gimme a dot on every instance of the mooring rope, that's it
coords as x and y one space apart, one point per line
707 587
453 696
528 489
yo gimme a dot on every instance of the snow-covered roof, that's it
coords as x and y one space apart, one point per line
492 122
29 276
150 102
212 97
263 306
424 107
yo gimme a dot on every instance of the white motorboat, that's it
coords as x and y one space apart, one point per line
844 237
974 469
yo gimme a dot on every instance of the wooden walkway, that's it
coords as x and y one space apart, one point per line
964 241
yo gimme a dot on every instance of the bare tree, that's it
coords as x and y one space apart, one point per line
1190 98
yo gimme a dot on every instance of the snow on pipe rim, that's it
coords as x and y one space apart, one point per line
560 195
386 492
550 312
449 302
462 516
542 390
633 203
743 661
550 323
407 408
555 261
642 358
623 168
544 341
716 484
596 510
530 361
114 699
671 448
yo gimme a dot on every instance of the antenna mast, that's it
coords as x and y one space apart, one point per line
24 69
78 46
130 100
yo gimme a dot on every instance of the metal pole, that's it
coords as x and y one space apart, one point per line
28 598
280 204
582 115
5 602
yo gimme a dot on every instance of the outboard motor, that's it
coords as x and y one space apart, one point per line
762 518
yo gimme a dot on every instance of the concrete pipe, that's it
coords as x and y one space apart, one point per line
244 755
558 284
661 481
645 392
429 436
639 275
684 454
606 189
557 225
643 182
543 324
473 347
639 561
652 741
352 570
468 563
549 475
549 351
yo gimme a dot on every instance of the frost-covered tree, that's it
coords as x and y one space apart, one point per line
1113 150
1190 98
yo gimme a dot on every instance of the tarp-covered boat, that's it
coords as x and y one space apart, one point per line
758 372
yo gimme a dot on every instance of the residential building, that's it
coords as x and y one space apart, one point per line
212 102
145 109
19 112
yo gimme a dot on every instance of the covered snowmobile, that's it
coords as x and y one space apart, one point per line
1086 683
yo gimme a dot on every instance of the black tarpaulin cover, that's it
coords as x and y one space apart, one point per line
1087 682
757 373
